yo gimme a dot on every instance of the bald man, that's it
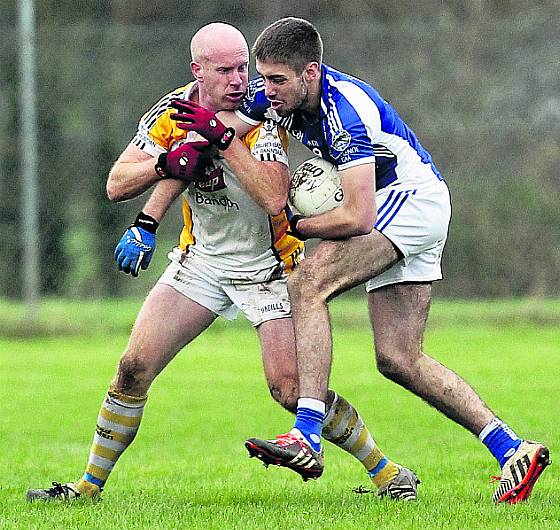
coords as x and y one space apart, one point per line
234 255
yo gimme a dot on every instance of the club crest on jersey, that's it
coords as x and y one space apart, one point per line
340 141
250 94
268 130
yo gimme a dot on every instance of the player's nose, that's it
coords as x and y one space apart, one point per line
236 78
268 90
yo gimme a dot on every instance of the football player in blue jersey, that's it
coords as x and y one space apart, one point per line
389 234
197 287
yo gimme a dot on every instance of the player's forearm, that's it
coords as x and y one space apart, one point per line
342 222
266 182
165 192
230 119
355 217
130 179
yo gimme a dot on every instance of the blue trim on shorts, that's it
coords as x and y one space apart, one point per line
389 208
387 200
393 209
395 212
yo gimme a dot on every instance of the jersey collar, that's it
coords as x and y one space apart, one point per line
326 91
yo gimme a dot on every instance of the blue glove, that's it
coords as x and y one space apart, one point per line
137 245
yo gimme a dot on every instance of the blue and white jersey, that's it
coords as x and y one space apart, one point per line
356 126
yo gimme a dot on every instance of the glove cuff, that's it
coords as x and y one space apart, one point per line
146 222
293 227
161 166
225 139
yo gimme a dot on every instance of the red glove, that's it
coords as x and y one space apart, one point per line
193 117
188 162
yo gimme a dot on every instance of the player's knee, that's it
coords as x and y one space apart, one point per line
133 374
305 283
285 395
296 286
392 365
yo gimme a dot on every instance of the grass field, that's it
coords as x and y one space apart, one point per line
188 468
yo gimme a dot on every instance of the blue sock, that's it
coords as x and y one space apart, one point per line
309 420
501 441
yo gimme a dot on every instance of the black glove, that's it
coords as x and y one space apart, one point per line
293 220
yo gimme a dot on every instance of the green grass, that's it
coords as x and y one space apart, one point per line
188 467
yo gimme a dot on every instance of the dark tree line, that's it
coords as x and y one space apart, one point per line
477 81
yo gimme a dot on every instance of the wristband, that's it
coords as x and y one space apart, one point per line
225 140
146 222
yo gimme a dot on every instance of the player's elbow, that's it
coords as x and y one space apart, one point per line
364 226
360 223
274 205
114 194
275 208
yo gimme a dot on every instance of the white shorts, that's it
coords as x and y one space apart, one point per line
261 295
416 221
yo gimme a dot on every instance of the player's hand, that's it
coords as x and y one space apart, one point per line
193 117
137 245
188 162
293 221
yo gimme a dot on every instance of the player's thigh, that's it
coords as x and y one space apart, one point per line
398 315
279 355
167 322
337 265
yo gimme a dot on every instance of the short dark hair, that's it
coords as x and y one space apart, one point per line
291 41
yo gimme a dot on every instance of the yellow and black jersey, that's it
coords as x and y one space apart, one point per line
221 220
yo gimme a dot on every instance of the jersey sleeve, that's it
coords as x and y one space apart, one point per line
255 104
157 132
268 142
351 133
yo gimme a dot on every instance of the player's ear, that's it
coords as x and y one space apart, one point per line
312 71
197 70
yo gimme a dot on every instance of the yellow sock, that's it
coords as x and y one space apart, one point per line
86 488
345 428
117 425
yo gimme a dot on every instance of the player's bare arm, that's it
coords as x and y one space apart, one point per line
137 245
131 175
356 216
230 119
163 195
266 182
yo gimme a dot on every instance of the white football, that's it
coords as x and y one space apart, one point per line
315 187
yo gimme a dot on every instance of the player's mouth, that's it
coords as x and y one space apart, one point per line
235 97
275 104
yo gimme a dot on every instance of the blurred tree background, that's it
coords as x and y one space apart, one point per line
478 82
